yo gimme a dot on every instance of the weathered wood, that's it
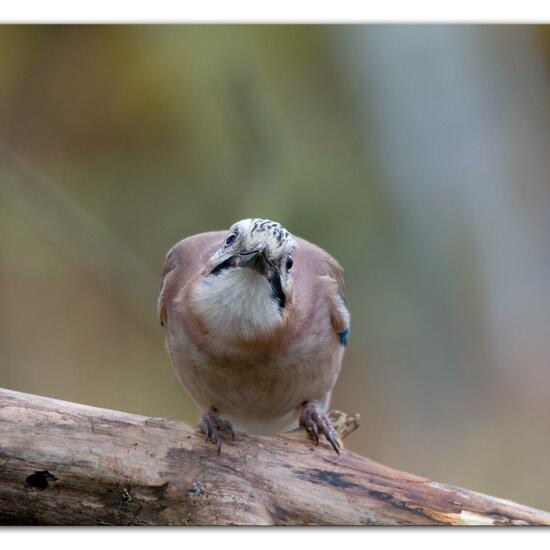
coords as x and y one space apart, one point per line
68 464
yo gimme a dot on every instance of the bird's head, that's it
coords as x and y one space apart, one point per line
263 246
246 286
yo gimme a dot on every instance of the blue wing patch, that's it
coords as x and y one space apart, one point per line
344 336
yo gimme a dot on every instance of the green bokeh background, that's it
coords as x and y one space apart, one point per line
417 156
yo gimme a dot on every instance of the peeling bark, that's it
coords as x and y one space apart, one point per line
68 464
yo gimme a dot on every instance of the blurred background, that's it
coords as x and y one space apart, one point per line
417 155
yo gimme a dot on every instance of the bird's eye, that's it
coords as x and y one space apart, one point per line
289 263
230 239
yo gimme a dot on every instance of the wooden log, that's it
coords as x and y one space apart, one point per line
68 464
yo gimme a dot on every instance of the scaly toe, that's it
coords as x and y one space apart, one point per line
315 422
211 425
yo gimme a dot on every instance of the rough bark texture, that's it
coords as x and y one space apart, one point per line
68 464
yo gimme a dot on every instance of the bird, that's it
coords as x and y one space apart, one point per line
256 325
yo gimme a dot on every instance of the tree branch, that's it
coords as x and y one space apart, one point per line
68 464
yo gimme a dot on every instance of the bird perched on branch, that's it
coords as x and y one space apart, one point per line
256 326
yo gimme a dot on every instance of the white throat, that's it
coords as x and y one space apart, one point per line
237 303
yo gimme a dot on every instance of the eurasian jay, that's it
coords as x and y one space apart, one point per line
256 326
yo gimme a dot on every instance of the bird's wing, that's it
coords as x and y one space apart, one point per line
339 314
329 273
183 261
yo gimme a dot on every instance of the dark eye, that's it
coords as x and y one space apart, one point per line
230 239
289 263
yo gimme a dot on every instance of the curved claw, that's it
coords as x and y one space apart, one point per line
313 419
206 429
211 424
331 436
314 430
229 428
216 439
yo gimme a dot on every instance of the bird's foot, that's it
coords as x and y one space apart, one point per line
315 421
211 424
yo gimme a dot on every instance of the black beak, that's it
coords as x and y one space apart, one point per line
255 259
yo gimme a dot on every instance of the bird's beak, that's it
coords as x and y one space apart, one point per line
255 259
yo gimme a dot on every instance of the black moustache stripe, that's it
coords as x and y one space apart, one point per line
277 289
224 265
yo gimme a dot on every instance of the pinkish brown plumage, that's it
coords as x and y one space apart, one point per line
256 326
